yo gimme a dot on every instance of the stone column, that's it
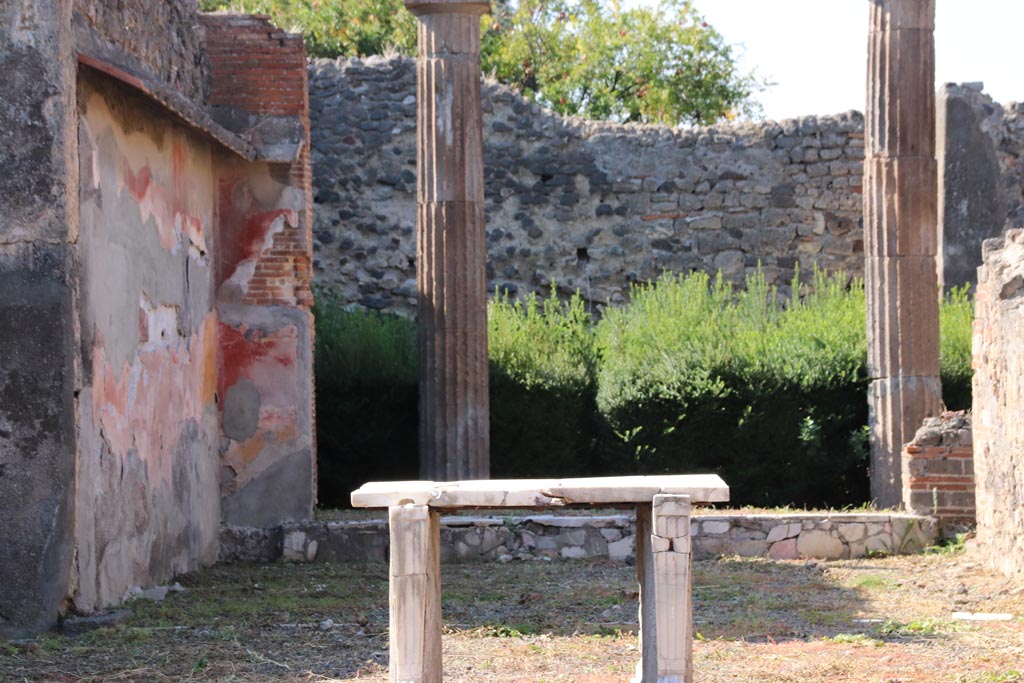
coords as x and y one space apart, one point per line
900 234
451 246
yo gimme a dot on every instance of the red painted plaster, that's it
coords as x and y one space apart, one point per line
143 404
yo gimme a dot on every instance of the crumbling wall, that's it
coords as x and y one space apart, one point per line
980 145
998 393
938 470
38 336
263 274
591 205
148 499
164 37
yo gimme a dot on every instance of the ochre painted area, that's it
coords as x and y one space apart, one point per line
148 498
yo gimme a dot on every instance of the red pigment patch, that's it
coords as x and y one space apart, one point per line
170 208
267 359
245 234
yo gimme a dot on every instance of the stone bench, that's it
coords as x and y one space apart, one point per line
662 557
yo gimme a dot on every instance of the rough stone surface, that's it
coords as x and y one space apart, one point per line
165 37
475 539
938 470
38 312
998 396
590 205
980 146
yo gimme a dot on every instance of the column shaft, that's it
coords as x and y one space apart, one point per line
900 234
451 244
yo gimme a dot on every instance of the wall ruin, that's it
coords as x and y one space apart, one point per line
998 396
591 205
156 365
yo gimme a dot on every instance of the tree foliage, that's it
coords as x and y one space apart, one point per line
653 65
661 64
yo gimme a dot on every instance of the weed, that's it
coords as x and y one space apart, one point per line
854 639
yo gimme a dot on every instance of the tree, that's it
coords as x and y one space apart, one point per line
654 65
336 27
661 64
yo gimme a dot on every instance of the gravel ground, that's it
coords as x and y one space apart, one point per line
888 620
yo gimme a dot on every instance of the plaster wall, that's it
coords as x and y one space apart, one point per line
148 502
265 334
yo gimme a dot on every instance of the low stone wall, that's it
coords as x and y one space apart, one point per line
503 539
938 470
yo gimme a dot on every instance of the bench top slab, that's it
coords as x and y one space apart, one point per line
531 493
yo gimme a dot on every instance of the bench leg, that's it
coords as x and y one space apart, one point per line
415 595
663 570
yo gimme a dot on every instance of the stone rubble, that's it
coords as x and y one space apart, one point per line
544 537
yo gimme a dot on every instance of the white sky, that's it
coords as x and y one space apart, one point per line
816 50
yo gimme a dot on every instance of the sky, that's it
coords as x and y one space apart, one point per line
815 51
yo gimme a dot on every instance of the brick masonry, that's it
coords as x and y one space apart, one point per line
938 470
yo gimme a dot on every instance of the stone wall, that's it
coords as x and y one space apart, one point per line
39 348
164 37
593 206
938 470
980 145
998 397
155 332
467 538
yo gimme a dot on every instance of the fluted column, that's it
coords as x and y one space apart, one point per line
451 246
900 234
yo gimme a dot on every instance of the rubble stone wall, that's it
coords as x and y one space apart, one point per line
165 37
590 205
467 538
998 392
980 145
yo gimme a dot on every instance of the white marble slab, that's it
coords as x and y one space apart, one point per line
529 493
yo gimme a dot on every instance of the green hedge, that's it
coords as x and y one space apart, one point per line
697 377
691 376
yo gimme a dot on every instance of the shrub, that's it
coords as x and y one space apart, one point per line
691 376
542 388
956 319
698 378
366 399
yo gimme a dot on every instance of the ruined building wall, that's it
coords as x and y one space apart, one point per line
166 38
591 205
263 274
980 147
155 357
998 399
38 331
148 500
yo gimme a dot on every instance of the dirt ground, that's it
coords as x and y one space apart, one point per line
885 620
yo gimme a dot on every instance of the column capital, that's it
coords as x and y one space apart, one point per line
422 7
